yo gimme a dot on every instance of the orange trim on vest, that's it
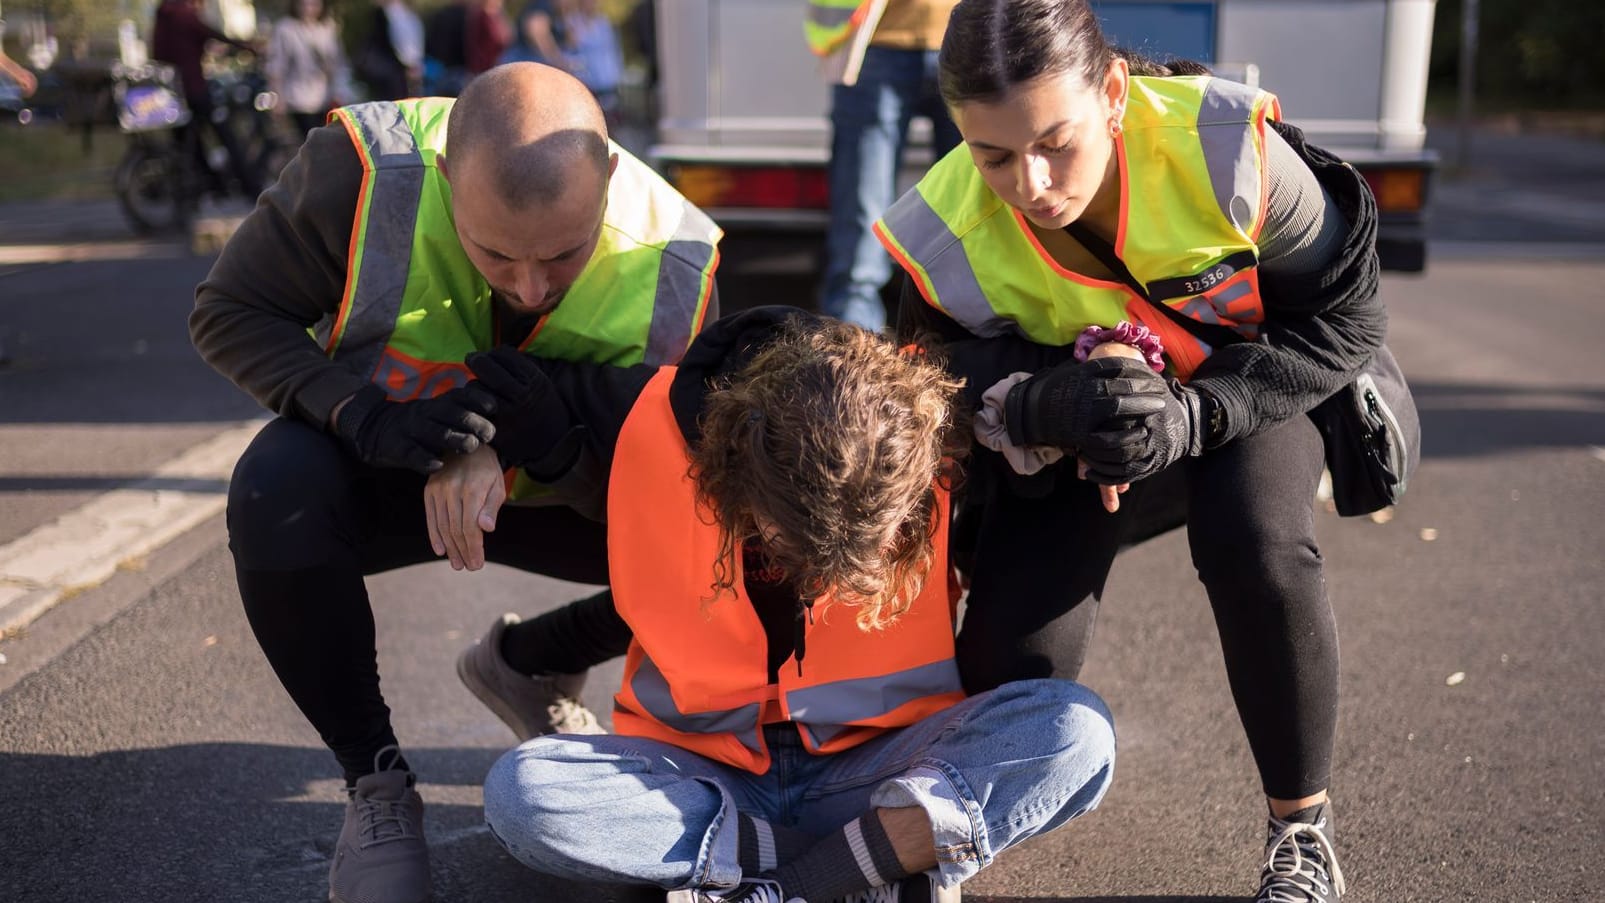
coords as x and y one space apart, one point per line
365 188
697 671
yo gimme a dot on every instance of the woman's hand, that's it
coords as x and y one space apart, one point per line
461 501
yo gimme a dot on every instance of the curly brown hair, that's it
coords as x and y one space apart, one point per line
832 438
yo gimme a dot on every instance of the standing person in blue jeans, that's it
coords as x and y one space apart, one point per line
791 725
869 121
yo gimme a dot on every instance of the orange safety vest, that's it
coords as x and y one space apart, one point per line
697 674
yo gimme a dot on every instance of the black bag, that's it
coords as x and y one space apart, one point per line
1370 427
1372 435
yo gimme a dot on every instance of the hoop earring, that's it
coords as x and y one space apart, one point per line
1115 127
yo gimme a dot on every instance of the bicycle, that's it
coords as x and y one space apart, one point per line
168 168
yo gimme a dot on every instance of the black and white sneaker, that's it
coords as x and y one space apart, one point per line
1300 864
913 889
757 890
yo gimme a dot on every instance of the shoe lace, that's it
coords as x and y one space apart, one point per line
760 891
384 821
1297 861
880 893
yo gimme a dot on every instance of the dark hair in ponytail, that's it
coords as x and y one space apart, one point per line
993 45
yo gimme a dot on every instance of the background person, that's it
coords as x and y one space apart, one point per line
592 51
180 38
780 496
537 234
392 59
489 35
446 50
305 64
869 122
1226 218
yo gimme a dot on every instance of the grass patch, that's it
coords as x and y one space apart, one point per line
49 161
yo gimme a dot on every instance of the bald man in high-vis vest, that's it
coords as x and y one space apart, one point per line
348 303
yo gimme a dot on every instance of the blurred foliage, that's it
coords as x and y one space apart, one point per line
1533 54
50 160
81 26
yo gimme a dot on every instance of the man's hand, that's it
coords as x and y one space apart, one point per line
1160 439
530 417
460 505
414 435
1064 405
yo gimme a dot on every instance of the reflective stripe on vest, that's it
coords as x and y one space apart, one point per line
415 306
854 684
827 24
1191 211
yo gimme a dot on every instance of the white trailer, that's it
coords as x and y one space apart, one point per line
743 127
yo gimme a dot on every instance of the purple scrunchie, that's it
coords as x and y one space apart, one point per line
1133 334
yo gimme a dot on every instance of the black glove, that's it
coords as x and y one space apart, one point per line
1063 405
414 434
1176 430
531 420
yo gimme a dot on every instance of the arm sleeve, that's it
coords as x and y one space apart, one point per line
1323 319
599 397
979 362
284 270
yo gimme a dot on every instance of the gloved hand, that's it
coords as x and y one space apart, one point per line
1176 430
415 434
530 418
1064 405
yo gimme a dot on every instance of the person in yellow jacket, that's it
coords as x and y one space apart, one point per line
790 725
1097 193
404 237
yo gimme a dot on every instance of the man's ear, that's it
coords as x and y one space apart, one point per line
440 164
612 164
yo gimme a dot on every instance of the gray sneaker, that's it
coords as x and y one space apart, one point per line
380 856
531 706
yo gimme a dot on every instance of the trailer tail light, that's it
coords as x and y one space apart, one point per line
778 187
1397 190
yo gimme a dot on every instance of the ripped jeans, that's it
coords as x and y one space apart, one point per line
990 771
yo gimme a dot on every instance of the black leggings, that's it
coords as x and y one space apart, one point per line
1039 564
307 522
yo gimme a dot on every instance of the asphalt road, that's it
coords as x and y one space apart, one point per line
148 754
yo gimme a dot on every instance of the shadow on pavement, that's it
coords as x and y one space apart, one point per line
255 823
1460 420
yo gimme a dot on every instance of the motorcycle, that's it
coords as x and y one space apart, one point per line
167 168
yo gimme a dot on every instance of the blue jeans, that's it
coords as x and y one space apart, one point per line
990 772
869 129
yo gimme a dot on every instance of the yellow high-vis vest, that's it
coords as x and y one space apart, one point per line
1192 202
415 306
827 24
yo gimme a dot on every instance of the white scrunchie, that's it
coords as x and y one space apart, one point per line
991 432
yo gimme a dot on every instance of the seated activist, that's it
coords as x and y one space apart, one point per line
791 724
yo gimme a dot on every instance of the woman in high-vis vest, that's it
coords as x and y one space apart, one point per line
1093 190
790 724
